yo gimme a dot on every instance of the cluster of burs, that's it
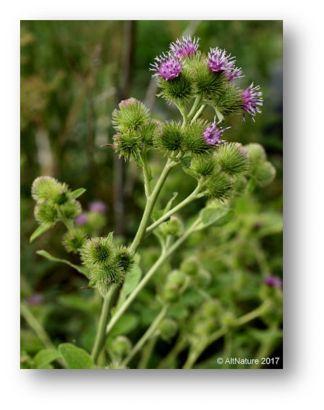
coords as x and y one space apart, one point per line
191 81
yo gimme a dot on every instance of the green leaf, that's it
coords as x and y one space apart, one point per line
75 357
66 262
39 231
77 192
214 215
44 357
131 281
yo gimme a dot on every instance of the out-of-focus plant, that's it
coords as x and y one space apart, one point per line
224 175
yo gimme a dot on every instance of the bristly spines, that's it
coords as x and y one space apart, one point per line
74 239
132 115
205 83
46 213
219 186
46 188
97 251
232 158
169 138
193 140
203 165
124 258
176 91
228 100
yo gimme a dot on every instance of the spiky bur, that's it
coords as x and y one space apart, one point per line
132 115
232 158
193 141
124 258
46 213
168 329
203 166
47 188
229 100
106 262
97 251
169 138
70 209
177 91
206 320
74 239
172 227
219 186
206 84
261 171
134 128
120 347
174 286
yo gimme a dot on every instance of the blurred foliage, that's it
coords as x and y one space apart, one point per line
72 76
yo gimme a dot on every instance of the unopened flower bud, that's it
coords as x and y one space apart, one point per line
47 188
175 284
169 138
172 227
232 158
120 347
168 329
46 213
73 240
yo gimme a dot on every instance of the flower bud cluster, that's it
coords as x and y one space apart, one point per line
135 128
206 319
199 276
183 73
54 201
106 262
176 283
261 171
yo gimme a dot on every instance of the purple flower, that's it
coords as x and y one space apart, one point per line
213 134
167 66
273 281
252 99
97 206
81 219
219 60
184 47
233 74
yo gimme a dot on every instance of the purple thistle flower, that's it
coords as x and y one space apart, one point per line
213 134
98 207
233 74
81 219
273 281
219 60
252 99
184 47
166 66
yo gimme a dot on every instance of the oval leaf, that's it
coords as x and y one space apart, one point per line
75 357
44 357
39 231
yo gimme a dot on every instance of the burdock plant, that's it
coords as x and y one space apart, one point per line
191 81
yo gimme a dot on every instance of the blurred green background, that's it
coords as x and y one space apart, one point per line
73 73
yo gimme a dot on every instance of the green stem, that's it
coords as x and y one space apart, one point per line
108 302
164 255
197 351
146 175
147 335
194 195
147 352
177 348
194 106
198 114
151 200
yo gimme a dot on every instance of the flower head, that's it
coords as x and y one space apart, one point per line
81 219
98 207
212 134
167 66
273 281
219 60
184 47
233 73
252 99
